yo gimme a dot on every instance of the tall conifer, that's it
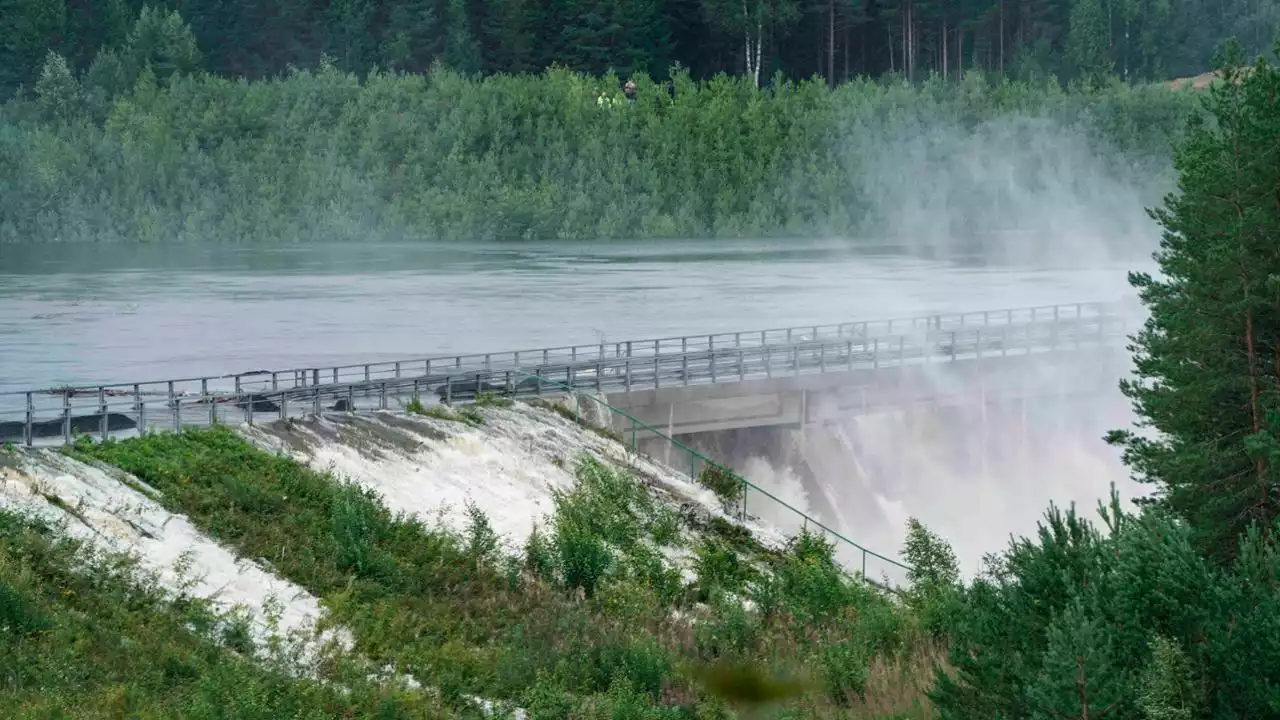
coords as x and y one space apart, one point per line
1207 359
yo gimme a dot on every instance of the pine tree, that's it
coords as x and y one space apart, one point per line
1088 45
57 91
461 52
164 41
413 36
1080 677
350 43
1207 359
28 30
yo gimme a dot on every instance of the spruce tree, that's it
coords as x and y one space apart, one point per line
1207 359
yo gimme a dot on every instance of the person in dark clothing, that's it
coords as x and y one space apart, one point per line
629 89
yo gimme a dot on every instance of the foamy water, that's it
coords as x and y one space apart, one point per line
508 467
116 517
874 472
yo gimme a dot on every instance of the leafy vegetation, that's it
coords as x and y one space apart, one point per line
591 615
148 152
465 414
1169 611
86 634
724 483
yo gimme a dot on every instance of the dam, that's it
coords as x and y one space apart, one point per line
829 422
689 384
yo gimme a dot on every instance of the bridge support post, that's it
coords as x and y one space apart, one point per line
102 413
27 430
671 420
984 434
1025 432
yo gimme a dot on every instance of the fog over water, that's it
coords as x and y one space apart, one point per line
971 226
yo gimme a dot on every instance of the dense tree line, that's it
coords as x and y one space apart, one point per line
835 39
325 155
1173 611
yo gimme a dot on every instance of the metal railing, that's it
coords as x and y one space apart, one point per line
552 359
60 415
744 505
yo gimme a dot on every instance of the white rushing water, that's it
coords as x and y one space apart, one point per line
508 467
117 512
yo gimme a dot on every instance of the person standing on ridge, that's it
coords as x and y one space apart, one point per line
629 90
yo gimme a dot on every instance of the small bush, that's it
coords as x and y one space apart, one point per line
356 527
488 399
481 540
844 670
539 555
664 527
470 415
719 570
724 483
582 555
466 414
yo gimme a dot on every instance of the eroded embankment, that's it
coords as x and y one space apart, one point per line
509 465
428 563
119 513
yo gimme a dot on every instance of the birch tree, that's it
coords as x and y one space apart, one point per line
753 21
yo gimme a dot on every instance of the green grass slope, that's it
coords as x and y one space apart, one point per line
620 606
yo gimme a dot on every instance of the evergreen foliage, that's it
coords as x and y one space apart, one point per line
1207 360
835 39
1127 623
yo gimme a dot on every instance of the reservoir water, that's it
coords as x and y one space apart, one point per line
112 313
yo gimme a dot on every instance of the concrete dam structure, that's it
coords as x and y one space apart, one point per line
848 423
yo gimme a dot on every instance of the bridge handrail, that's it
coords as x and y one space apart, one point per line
695 456
302 377
636 374
873 353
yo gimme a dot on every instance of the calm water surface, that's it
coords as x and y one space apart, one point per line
122 314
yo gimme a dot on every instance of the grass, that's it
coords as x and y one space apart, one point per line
467 414
592 619
85 634
488 399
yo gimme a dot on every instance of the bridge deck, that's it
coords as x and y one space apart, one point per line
57 415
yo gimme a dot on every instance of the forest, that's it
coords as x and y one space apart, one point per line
145 145
356 120
836 40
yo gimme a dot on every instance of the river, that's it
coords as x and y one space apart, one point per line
111 313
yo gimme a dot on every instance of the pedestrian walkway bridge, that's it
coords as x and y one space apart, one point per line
637 374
